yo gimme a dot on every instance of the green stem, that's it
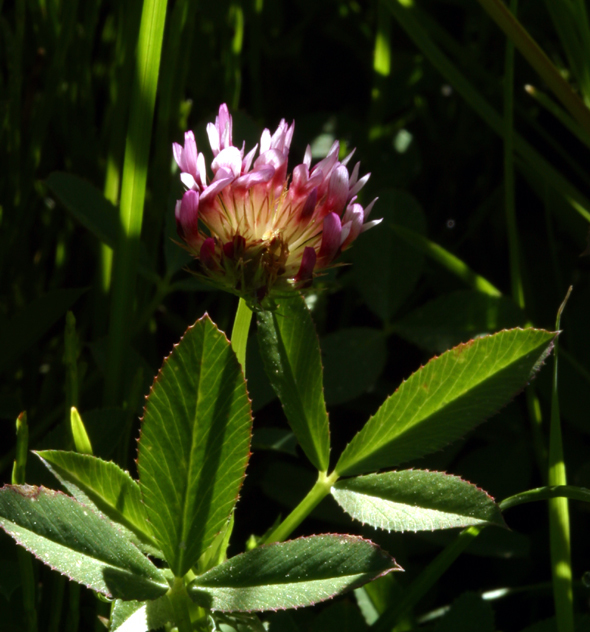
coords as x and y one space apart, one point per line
239 334
179 600
133 189
538 60
426 580
316 494
559 523
545 493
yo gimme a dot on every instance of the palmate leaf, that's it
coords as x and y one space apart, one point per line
291 354
444 399
105 486
415 500
291 574
195 444
71 538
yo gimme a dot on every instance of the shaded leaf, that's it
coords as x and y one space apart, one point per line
469 613
33 321
446 398
103 485
90 207
291 355
415 500
386 268
457 317
79 543
275 439
195 444
353 360
291 574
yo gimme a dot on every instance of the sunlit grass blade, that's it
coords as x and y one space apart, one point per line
448 260
133 189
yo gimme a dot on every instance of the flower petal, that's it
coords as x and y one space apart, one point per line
308 261
331 231
228 159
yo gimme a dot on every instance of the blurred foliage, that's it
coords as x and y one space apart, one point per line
343 69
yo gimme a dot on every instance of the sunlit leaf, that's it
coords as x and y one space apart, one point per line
79 543
444 399
103 485
291 574
195 444
415 500
291 353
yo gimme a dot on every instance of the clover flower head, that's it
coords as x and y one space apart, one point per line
256 231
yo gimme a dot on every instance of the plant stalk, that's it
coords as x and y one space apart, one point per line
239 334
315 495
559 522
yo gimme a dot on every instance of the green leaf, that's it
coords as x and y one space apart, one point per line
353 360
274 439
77 542
386 268
102 485
291 355
33 321
415 500
86 204
291 574
195 444
137 616
90 207
457 317
446 398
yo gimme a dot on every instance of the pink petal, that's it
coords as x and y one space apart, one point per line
307 157
338 189
332 229
261 175
370 224
224 126
265 141
177 152
188 180
214 140
369 208
215 187
247 162
347 159
358 186
228 159
189 155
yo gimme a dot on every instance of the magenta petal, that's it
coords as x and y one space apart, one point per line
187 216
308 261
207 252
332 229
369 209
309 206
